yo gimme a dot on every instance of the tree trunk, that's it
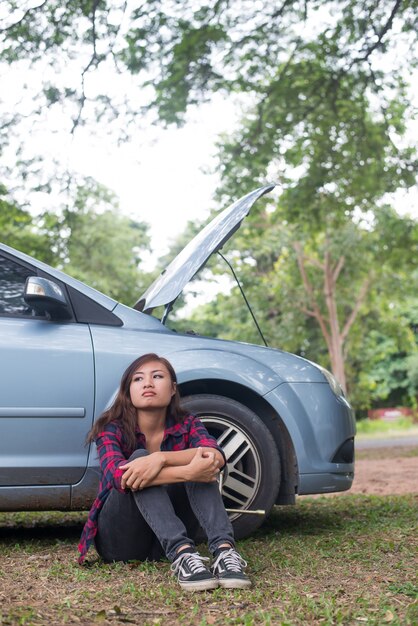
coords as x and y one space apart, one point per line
329 323
336 340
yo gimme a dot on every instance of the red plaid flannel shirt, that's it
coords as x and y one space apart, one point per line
190 433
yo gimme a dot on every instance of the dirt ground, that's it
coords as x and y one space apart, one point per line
386 471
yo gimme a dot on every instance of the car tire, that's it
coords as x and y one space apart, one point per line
252 480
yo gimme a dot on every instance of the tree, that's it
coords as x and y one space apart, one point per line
324 92
100 246
334 330
20 230
335 301
299 66
346 168
325 126
412 370
375 351
89 240
182 52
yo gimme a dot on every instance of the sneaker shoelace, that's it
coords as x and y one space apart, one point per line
194 562
233 561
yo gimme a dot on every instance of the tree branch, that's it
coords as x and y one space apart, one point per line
308 312
115 36
337 269
24 16
316 312
359 301
314 262
380 35
86 69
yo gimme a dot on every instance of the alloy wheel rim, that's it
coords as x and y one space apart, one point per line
242 482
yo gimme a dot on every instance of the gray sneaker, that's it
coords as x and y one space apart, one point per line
192 573
228 567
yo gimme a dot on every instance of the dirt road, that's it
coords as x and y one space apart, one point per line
387 471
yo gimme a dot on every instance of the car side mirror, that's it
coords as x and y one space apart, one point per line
46 298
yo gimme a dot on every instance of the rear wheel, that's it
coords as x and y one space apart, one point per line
253 477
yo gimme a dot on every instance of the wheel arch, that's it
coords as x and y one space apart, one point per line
271 419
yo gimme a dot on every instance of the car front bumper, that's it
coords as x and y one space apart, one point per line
320 425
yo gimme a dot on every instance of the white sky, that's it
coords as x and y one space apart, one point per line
159 179
159 176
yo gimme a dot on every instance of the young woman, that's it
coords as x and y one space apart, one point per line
159 469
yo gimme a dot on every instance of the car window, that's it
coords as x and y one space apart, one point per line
12 282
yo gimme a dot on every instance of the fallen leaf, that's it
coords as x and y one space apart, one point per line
100 616
39 557
388 616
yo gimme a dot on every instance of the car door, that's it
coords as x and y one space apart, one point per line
46 389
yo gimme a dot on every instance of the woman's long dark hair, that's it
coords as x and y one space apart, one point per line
122 409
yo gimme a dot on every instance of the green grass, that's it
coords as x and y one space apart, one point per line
401 426
343 560
383 453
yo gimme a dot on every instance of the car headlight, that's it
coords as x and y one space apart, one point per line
332 381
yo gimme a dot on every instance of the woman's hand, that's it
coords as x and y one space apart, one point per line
204 467
140 472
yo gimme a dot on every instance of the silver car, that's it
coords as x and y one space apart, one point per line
283 422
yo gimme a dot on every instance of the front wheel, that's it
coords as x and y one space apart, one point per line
253 465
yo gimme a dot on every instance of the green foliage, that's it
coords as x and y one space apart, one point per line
384 376
188 63
90 241
184 51
20 230
100 246
327 122
380 342
323 87
412 372
380 427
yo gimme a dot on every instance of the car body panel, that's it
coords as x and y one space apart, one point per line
55 363
332 482
171 282
139 321
40 498
276 364
192 357
301 406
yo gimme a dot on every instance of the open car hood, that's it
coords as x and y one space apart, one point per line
171 282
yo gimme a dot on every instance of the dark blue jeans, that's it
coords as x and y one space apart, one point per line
148 524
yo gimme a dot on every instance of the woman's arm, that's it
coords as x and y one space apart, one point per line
148 472
204 468
183 457
108 445
200 438
144 471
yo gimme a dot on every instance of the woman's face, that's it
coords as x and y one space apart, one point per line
151 386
